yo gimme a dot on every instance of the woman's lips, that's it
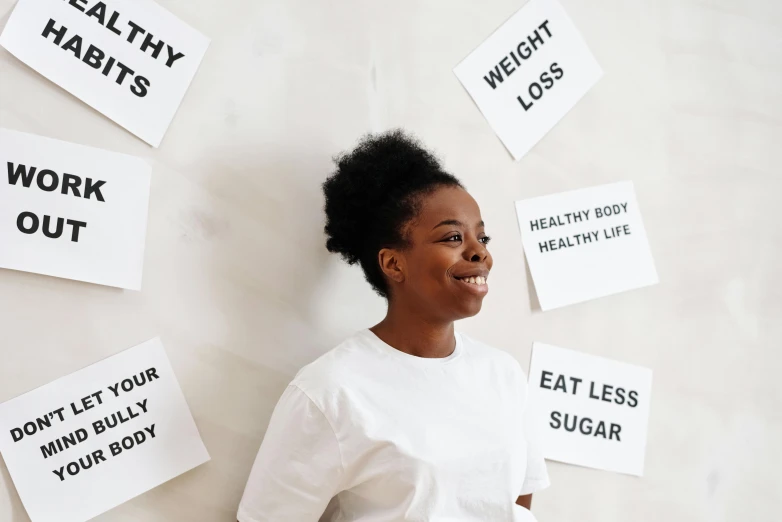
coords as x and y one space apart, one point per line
476 285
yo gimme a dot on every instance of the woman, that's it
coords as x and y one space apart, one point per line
408 420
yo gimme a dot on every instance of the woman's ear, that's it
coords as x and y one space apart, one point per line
392 263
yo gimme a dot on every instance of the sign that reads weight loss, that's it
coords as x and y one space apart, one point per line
72 211
529 74
589 411
585 244
94 439
131 60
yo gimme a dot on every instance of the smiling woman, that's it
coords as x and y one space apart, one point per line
407 420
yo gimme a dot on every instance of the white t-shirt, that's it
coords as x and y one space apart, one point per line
370 433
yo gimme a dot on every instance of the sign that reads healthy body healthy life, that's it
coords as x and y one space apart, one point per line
585 244
589 410
130 59
87 442
528 74
72 211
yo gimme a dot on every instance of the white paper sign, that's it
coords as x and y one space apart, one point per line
98 437
72 211
585 244
130 59
528 74
589 410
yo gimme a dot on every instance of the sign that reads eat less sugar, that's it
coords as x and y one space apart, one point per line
528 74
89 441
131 60
588 410
72 211
584 244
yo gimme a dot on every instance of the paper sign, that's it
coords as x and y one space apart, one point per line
98 437
589 410
130 59
585 244
528 74
72 211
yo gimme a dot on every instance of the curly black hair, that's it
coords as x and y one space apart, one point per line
374 192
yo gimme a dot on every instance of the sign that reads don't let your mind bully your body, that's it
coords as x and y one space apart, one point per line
527 75
131 60
589 410
584 244
114 429
72 211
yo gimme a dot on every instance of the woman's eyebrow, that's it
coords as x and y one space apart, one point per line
456 223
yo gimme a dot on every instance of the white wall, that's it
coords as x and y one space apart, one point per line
241 289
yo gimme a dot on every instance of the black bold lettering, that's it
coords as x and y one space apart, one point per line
59 473
140 87
494 77
548 83
538 88
172 56
94 57
556 70
58 33
115 449
615 429
156 47
53 185
76 225
74 45
124 70
69 181
20 171
556 421
633 400
99 12
17 434
75 3
20 223
90 188
98 427
135 29
48 450
545 377
48 233
505 63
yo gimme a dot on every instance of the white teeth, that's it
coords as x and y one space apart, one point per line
471 280
482 280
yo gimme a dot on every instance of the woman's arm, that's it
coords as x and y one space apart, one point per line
525 501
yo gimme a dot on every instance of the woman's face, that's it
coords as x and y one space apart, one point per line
447 263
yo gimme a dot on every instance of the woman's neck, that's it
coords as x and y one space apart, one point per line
408 331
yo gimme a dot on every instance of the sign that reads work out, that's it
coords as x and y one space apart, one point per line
528 74
89 441
588 410
131 60
72 211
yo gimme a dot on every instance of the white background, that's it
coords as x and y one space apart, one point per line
623 450
175 448
239 285
608 264
110 248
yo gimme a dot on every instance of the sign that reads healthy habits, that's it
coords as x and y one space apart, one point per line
98 437
72 211
589 410
528 74
585 244
131 60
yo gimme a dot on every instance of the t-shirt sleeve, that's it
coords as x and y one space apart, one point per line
298 468
536 478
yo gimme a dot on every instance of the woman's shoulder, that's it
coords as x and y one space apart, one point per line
496 357
334 368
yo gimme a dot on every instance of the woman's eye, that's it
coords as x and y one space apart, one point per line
455 238
485 240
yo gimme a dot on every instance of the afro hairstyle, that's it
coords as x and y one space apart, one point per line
373 194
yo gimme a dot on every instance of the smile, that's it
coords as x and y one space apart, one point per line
477 280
